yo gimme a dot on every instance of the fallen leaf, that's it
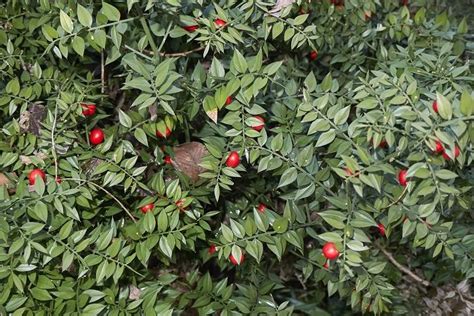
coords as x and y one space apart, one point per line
187 158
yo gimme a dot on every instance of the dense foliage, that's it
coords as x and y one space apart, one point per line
195 156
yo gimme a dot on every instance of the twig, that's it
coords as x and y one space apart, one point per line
402 267
182 53
102 73
179 54
107 192
398 199
53 142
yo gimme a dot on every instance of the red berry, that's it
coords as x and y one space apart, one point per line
212 249
383 144
220 22
146 208
96 136
228 100
167 133
330 251
36 173
439 148
191 28
435 106
313 55
457 152
88 109
233 160
402 177
58 180
167 160
259 127
234 261
404 2
381 229
261 207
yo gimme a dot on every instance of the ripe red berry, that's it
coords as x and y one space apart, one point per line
402 177
147 208
439 147
330 251
313 55
457 152
228 100
261 208
96 136
220 22
259 127
191 28
167 160
36 173
233 160
212 249
435 106
167 133
404 2
383 144
234 261
88 109
58 180
381 229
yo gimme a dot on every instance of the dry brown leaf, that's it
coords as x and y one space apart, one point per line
30 120
4 180
187 158
212 115
135 292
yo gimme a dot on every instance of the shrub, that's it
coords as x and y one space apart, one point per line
233 157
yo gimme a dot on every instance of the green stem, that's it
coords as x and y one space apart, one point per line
148 35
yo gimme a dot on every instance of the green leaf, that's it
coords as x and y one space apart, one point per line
227 233
368 104
41 211
78 45
239 62
426 210
84 16
334 218
165 247
124 119
288 177
280 225
300 19
141 136
342 115
66 22
326 138
111 12
377 268
92 309
467 103
149 222
40 294
444 107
